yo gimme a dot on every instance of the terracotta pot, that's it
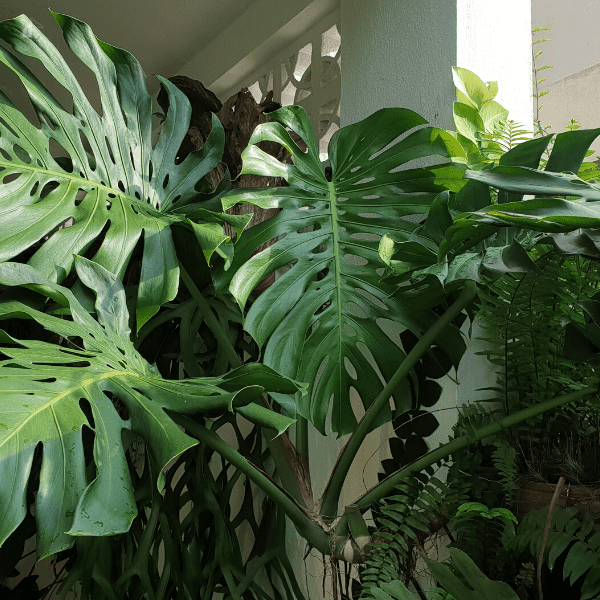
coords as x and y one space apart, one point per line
538 495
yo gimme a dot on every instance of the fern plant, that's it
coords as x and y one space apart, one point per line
571 538
484 534
524 317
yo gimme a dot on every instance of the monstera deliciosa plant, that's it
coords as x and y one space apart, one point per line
141 376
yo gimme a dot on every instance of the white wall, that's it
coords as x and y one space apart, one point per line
574 42
573 50
494 41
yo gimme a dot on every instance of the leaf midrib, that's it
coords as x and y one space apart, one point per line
86 183
335 239
50 403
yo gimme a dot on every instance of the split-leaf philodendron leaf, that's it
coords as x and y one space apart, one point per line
46 390
106 178
327 318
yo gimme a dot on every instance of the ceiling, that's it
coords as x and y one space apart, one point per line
215 41
161 35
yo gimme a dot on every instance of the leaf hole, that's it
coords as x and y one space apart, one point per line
79 196
369 215
341 212
49 121
87 439
176 199
150 170
11 177
137 195
372 299
354 169
367 237
131 157
36 185
48 187
166 182
86 409
348 330
8 127
319 377
365 180
355 309
350 368
108 205
110 152
342 199
134 209
58 152
119 405
321 274
21 154
5 154
93 248
322 308
355 260
371 197
121 186
111 195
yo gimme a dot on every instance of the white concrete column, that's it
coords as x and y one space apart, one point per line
401 53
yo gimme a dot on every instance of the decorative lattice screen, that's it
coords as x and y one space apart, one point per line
314 57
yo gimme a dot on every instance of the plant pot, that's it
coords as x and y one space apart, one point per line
538 495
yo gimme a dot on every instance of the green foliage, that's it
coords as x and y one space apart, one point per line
106 175
51 392
524 322
327 233
483 534
101 412
464 580
393 590
537 93
478 118
418 507
570 537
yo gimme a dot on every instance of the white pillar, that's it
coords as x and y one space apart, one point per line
400 53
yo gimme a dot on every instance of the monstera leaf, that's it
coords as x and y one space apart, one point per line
49 393
100 173
326 318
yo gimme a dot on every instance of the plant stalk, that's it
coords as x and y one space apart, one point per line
302 437
211 320
386 487
338 476
291 467
308 529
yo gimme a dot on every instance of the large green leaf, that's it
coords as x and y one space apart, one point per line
99 170
323 320
50 392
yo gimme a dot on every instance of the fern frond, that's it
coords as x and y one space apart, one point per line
570 537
